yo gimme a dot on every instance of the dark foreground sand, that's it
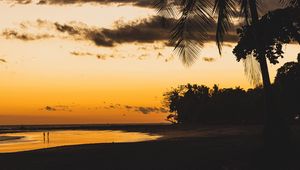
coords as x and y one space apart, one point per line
211 152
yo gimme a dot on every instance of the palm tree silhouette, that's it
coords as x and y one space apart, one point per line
188 42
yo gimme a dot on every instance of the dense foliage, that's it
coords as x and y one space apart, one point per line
287 83
278 27
190 104
201 104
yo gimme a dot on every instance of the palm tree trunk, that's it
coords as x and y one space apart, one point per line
276 130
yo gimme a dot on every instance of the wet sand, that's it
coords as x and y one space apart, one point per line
42 140
181 148
7 138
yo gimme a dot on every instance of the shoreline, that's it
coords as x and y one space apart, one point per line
155 154
181 149
167 131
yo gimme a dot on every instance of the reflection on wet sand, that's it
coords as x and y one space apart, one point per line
37 140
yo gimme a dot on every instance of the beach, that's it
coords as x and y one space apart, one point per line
180 148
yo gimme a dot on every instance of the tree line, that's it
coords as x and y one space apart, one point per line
199 104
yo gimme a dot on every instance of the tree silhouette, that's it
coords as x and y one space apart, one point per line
287 81
198 104
194 13
278 27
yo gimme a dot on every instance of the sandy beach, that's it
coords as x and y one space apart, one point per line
180 148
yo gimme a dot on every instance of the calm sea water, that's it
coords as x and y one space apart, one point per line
48 139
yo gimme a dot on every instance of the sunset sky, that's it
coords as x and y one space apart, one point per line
99 61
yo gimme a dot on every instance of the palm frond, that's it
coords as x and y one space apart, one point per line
166 8
293 3
260 7
190 32
226 10
252 70
244 10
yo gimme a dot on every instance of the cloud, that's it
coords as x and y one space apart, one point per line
128 107
76 53
117 55
83 32
267 4
140 3
112 106
147 110
72 30
13 34
208 59
142 31
66 28
104 56
147 30
2 60
49 108
98 56
57 108
24 2
141 109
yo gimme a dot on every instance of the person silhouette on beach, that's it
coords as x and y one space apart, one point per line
48 139
44 137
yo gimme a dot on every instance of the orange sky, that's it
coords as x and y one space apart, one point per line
43 82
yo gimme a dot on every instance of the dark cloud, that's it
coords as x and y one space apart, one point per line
24 2
156 29
76 53
143 31
141 109
77 31
2 60
57 108
98 56
128 107
113 106
148 30
116 55
82 31
208 59
267 4
39 23
104 56
147 110
12 34
49 108
66 28
140 3
99 39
